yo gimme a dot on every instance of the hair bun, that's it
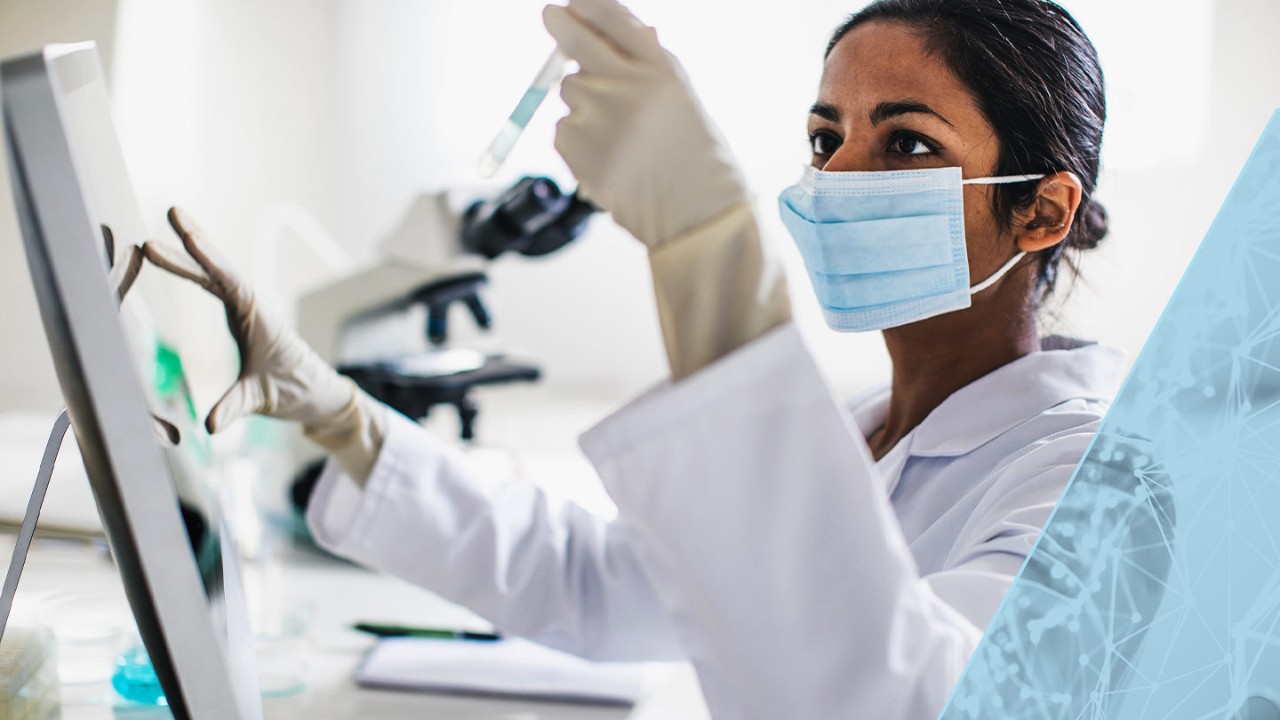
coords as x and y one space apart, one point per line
1091 227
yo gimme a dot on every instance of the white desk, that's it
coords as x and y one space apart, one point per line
340 594
539 428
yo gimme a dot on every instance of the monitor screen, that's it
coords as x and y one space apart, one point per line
120 437
111 202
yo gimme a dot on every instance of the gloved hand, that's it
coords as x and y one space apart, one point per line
636 137
280 375
642 147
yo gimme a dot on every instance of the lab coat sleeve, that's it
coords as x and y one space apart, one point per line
760 518
567 578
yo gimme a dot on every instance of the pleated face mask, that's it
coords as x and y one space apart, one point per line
885 249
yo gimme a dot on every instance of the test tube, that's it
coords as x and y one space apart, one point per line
552 72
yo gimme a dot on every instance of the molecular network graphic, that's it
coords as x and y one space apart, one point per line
1154 591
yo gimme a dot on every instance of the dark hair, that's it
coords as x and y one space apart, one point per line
1037 80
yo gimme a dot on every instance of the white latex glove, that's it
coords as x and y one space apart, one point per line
280 375
636 137
642 147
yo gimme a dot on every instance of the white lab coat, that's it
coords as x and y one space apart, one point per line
756 537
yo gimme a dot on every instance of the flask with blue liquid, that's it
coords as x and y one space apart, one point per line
135 677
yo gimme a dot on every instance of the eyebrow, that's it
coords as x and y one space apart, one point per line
826 111
886 110
882 112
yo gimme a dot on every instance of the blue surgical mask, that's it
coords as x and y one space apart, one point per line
885 249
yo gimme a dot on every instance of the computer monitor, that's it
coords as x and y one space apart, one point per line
158 502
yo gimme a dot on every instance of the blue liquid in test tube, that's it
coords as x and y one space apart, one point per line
548 77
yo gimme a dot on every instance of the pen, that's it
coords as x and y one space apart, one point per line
390 631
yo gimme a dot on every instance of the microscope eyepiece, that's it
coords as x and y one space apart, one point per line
533 217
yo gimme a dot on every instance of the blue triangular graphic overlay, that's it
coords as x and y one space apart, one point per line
1154 591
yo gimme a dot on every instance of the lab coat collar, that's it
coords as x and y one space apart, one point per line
1003 399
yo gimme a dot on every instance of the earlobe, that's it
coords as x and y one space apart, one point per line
1052 213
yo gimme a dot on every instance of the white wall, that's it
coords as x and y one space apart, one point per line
349 108
227 108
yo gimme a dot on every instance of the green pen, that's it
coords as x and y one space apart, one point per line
396 631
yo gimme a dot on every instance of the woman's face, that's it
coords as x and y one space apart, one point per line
886 103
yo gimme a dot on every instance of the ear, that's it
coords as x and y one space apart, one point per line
1048 221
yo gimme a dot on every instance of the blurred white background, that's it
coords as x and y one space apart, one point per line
350 108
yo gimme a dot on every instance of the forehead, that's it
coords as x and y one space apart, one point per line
888 61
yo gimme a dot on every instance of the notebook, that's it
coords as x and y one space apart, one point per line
510 668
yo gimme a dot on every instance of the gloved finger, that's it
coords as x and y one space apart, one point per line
582 43
126 273
243 398
620 27
578 91
584 195
109 240
565 142
171 260
202 252
580 150
166 431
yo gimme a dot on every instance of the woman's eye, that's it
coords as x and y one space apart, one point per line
824 143
910 145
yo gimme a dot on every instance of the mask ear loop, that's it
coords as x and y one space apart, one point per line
1001 180
997 274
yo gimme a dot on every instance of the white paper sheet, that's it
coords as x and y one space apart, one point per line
511 667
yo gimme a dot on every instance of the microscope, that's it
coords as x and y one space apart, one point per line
387 327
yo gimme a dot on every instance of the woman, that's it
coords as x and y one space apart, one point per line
810 564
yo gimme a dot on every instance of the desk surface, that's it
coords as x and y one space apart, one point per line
538 435
336 594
